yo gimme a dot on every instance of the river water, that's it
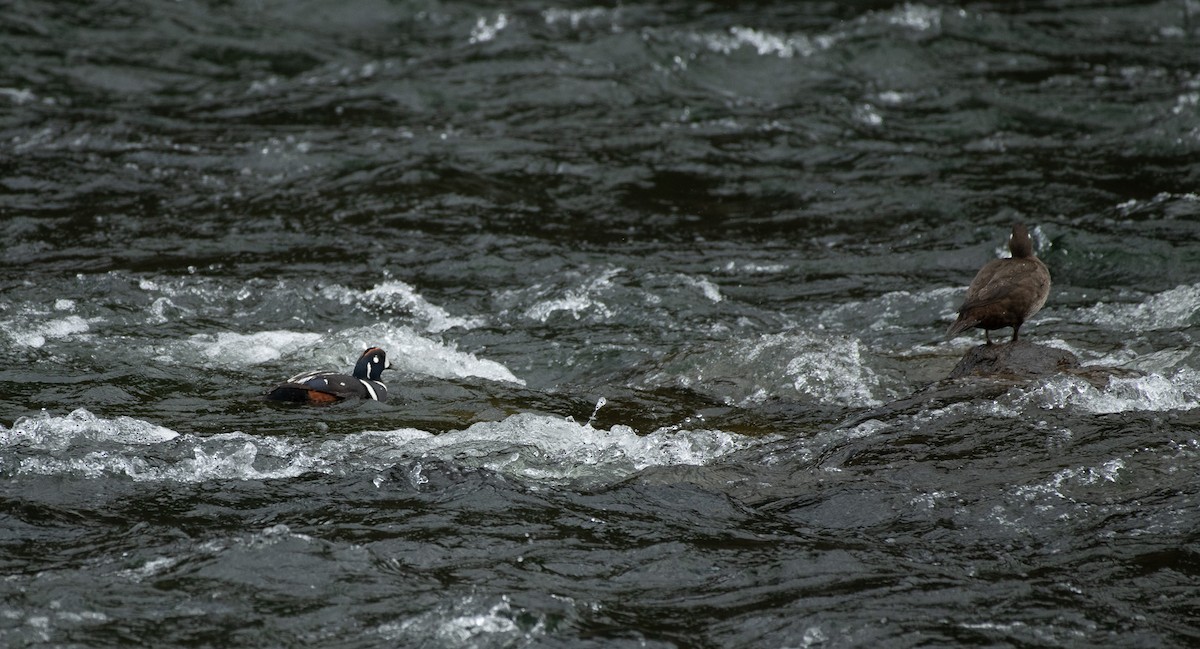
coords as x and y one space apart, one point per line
664 286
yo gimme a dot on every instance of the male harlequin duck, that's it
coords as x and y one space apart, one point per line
330 387
1005 292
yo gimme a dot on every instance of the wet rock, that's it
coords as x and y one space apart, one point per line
1017 359
999 368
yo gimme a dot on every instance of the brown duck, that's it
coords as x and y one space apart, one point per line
1005 292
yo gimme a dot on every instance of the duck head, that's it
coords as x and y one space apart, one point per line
371 364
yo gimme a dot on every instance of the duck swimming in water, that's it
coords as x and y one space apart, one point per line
331 387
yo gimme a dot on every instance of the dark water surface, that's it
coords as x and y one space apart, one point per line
664 285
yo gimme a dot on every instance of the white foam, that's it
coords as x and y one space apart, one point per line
174 299
706 286
414 353
47 432
233 457
915 16
599 295
407 351
149 569
867 115
835 373
893 311
804 365
576 300
932 499
750 267
894 97
527 446
486 30
27 332
1172 205
189 458
1072 477
18 95
395 295
1173 309
162 310
573 303
1151 392
1160 361
468 622
552 449
764 43
228 349
578 17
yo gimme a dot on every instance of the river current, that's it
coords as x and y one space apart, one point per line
665 288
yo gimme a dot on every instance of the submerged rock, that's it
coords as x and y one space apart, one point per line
1017 359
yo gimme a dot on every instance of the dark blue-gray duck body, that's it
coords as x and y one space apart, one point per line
330 387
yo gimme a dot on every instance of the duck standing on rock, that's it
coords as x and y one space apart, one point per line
1005 292
331 387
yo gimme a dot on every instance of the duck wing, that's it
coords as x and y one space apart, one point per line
1020 281
327 387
